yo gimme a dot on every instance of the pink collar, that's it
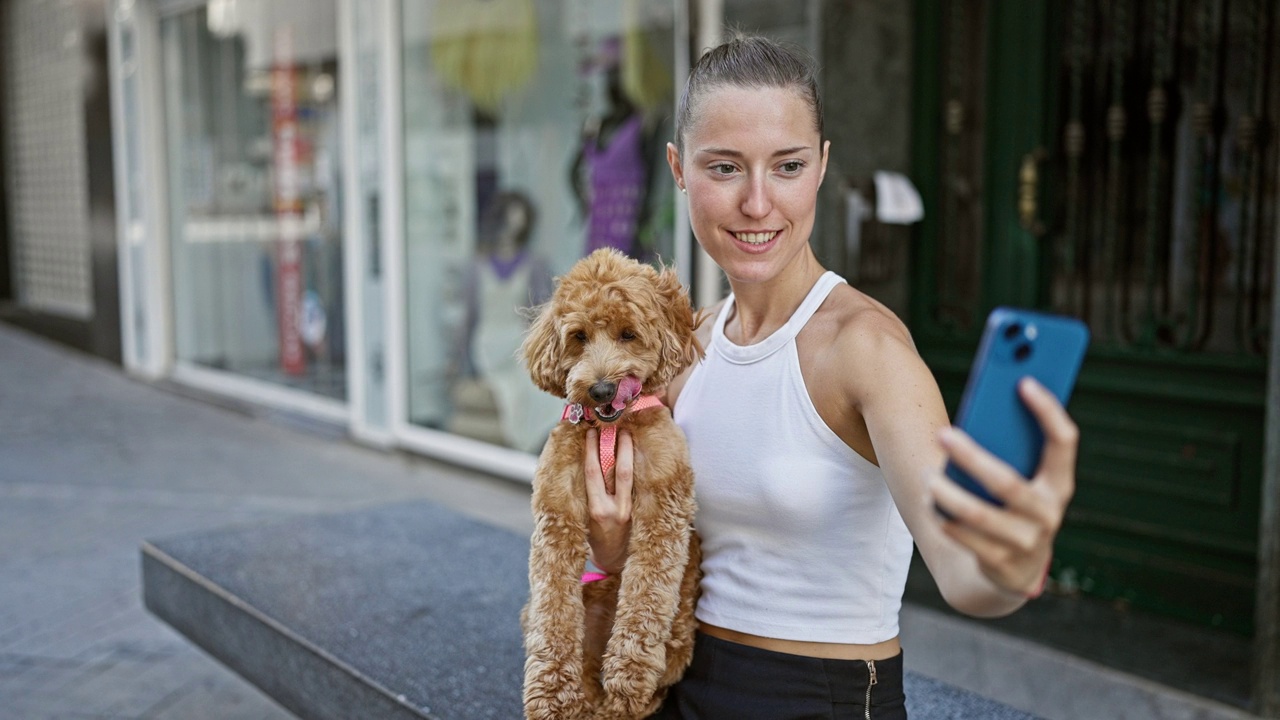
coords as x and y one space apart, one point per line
576 413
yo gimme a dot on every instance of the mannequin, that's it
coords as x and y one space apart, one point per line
611 173
505 277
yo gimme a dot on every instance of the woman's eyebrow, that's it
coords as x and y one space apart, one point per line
737 154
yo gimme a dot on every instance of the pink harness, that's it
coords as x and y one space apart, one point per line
576 413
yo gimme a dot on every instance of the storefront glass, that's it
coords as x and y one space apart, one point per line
251 111
534 132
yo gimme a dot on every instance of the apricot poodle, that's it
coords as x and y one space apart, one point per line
614 333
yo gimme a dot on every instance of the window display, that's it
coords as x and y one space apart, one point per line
251 108
533 134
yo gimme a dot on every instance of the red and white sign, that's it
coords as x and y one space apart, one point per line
287 149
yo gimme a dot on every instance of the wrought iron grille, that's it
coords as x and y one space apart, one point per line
1165 174
960 247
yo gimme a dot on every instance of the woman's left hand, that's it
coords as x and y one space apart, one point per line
1013 544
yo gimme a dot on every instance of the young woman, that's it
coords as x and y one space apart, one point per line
817 434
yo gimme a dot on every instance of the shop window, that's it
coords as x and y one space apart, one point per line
534 132
251 107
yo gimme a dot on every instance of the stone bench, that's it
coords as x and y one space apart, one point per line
401 611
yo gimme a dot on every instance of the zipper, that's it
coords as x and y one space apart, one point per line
871 681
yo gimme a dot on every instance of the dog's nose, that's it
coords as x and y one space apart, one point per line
603 391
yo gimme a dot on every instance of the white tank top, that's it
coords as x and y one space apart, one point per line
800 537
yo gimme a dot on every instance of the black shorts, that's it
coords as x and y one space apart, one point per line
730 680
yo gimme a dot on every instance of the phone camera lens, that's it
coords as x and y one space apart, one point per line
1012 330
1022 351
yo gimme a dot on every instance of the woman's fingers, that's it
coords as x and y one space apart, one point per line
1017 532
605 500
596 490
622 472
997 562
996 476
1062 437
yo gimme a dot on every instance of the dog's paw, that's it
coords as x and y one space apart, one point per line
630 689
564 704
551 692
615 707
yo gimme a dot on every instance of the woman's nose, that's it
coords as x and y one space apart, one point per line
756 203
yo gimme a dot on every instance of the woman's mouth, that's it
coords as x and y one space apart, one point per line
756 240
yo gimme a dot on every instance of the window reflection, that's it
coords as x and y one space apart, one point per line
252 117
534 133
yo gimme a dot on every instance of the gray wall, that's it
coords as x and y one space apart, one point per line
59 243
866 59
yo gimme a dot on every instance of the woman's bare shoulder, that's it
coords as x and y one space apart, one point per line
858 344
856 320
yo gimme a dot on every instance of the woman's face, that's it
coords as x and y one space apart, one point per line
752 165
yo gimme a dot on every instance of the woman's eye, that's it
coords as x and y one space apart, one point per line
722 169
792 166
627 335
580 336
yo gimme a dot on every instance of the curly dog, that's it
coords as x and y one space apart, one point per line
615 332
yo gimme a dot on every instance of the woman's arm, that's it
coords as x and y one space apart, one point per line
988 559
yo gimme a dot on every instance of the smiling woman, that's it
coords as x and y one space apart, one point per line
800 453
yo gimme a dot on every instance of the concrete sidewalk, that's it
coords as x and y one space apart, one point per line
92 462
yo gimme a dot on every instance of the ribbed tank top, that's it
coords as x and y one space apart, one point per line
800 537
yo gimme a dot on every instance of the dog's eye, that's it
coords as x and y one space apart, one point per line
627 335
580 336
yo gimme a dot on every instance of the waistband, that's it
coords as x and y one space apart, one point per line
848 678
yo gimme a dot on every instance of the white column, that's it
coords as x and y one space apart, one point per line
710 30
141 191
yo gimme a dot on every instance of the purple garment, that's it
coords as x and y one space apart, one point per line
617 175
505 268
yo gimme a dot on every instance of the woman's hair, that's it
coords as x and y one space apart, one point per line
493 221
749 61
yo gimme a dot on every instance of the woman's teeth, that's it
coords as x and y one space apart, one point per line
756 238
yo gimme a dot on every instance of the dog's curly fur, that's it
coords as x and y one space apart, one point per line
611 648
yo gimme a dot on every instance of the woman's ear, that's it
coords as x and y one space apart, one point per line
680 346
826 153
673 159
541 350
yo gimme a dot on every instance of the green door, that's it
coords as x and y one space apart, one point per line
1112 160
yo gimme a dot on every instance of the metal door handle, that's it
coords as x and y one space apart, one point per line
1028 192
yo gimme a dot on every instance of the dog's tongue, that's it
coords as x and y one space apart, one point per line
628 389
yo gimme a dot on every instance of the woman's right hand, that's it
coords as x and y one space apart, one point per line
609 508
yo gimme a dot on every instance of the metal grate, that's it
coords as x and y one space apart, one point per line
46 169
1168 169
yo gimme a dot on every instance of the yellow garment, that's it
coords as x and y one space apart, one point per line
645 79
485 48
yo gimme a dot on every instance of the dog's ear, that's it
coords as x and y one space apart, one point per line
680 346
542 350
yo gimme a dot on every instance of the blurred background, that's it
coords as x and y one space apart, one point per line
334 208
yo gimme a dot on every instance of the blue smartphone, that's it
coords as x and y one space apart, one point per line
1016 343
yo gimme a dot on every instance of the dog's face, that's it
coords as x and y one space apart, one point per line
611 322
